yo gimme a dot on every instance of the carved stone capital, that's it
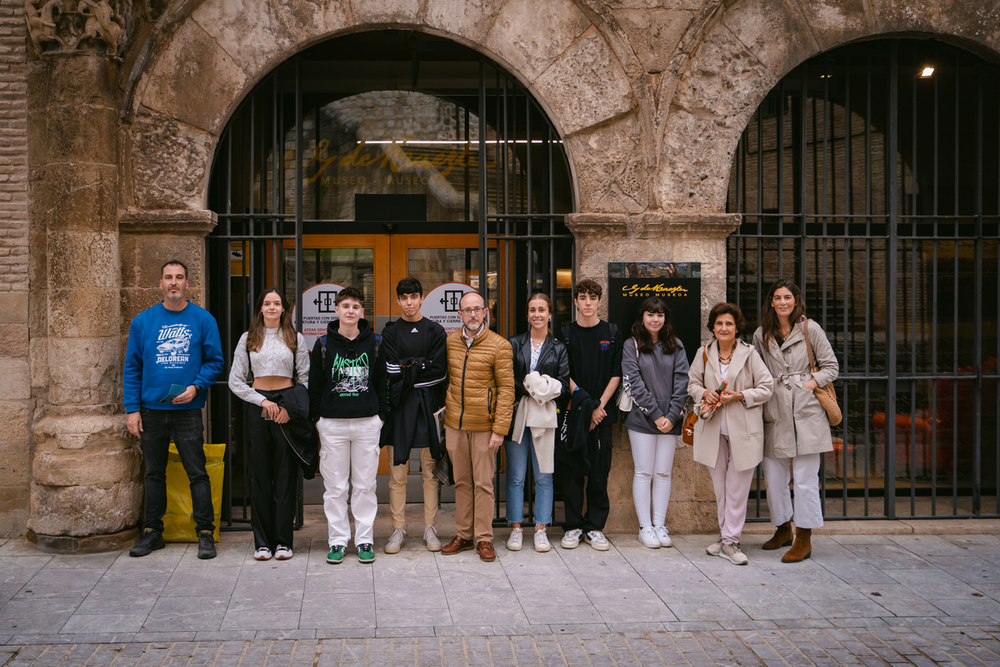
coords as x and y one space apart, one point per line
168 222
597 225
69 27
653 225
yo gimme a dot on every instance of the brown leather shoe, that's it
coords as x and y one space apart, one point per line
782 538
802 548
456 546
486 552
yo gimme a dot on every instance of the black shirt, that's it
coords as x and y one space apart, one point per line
423 339
595 356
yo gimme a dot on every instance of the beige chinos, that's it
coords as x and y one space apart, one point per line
397 488
473 464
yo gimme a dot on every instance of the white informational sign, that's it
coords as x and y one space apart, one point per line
441 305
318 304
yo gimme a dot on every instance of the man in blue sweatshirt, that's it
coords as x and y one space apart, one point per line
174 355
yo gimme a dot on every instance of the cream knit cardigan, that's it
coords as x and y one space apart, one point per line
537 411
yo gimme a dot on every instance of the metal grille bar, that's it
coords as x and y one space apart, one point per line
897 260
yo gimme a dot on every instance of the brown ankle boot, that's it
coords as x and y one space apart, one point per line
802 548
782 537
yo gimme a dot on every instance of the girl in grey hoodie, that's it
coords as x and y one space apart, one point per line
655 374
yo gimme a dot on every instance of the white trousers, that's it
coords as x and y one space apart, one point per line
348 454
807 511
653 456
732 492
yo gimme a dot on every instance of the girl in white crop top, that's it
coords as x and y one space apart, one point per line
268 359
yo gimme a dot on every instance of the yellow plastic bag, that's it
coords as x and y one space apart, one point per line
178 526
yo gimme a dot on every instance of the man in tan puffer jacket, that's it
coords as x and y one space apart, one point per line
479 401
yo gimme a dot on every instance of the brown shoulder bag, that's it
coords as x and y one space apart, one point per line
827 395
687 432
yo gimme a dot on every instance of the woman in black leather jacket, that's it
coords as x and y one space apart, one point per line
541 374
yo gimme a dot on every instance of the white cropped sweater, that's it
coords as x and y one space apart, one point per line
272 359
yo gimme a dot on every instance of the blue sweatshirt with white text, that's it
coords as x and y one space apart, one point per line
167 347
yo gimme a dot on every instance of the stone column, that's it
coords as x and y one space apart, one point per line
658 237
86 487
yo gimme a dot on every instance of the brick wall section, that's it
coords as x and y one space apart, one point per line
15 404
13 149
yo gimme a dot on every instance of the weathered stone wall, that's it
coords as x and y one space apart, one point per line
15 397
650 97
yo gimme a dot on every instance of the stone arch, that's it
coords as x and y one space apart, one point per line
749 48
214 56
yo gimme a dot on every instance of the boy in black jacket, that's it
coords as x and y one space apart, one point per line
347 392
413 348
595 369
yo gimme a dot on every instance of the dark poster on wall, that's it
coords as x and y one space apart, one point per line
678 283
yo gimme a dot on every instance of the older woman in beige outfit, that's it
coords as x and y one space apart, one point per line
796 428
731 443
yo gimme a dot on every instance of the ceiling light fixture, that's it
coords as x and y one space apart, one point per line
927 72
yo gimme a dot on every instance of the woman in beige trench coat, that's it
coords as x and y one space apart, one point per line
796 428
731 443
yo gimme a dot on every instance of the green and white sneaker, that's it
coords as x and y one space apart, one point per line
365 553
336 555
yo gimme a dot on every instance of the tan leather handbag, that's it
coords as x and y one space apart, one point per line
827 396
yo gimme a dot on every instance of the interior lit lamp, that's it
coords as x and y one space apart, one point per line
927 72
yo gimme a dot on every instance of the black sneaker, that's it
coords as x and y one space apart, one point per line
206 545
147 544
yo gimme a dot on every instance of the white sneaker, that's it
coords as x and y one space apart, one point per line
542 541
648 537
262 553
664 535
431 538
596 539
282 552
396 541
733 554
714 548
571 540
515 540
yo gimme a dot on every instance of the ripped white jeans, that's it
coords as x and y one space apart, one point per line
653 456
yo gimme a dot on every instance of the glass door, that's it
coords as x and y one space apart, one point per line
447 265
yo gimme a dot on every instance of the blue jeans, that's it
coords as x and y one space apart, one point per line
517 469
184 427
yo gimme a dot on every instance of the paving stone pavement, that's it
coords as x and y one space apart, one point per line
861 599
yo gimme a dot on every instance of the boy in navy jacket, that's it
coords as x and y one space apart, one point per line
416 366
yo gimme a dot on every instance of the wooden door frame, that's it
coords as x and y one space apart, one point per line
395 247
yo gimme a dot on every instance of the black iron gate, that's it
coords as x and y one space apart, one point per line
871 176
493 151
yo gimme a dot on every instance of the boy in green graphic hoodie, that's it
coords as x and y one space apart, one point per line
347 391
